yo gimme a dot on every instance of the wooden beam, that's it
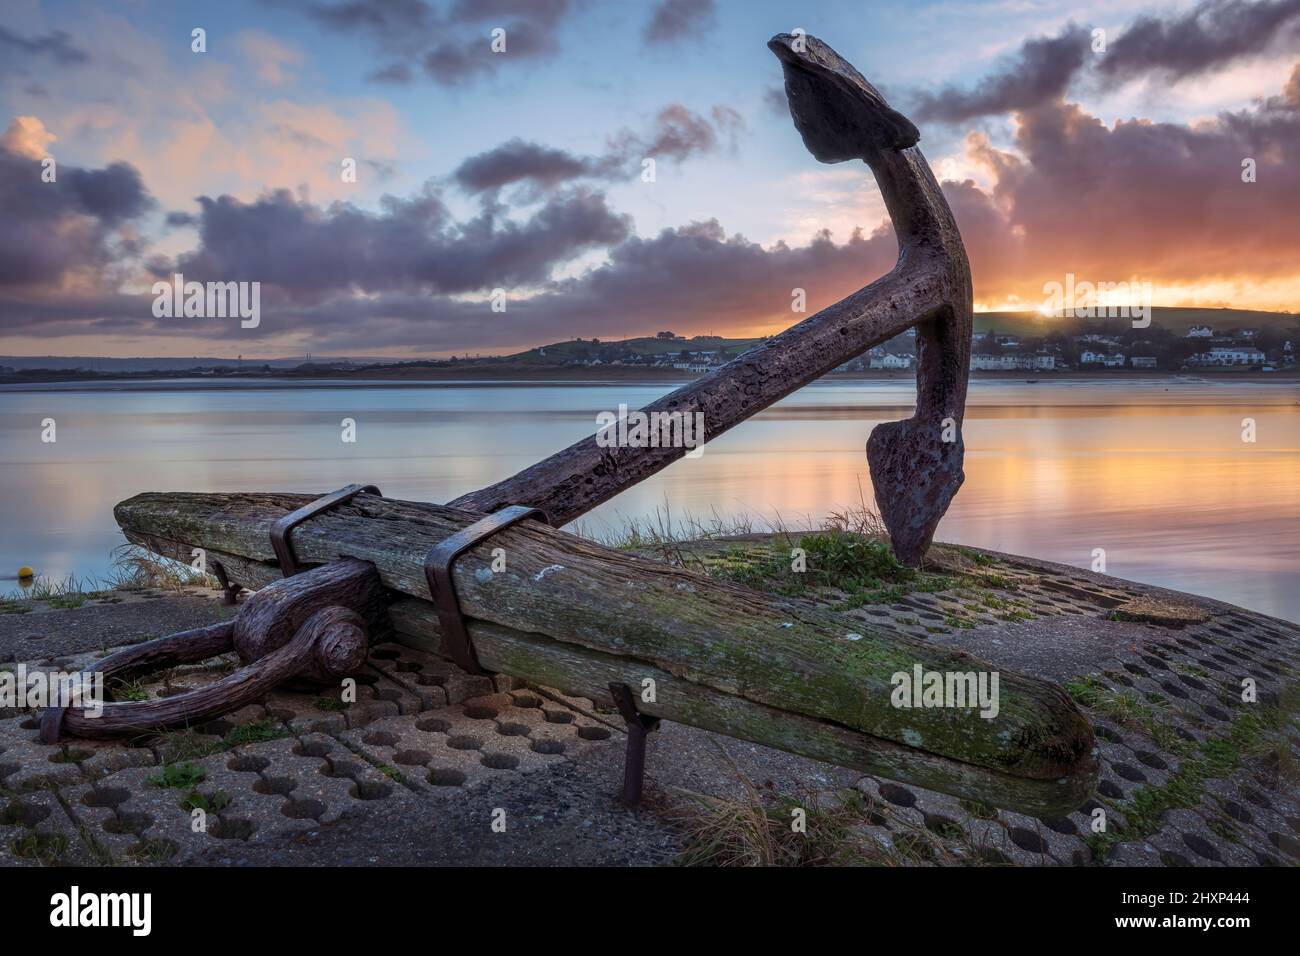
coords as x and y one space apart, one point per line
779 672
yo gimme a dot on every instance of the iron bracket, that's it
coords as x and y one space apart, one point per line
280 530
638 726
437 571
229 591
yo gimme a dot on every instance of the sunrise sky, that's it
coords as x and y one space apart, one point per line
522 170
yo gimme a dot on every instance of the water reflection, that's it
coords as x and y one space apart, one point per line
1155 472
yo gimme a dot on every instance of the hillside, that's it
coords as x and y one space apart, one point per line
644 348
1176 320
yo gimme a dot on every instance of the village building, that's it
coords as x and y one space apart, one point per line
1228 355
1036 362
888 361
1107 359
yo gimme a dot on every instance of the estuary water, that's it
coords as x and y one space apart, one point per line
1154 471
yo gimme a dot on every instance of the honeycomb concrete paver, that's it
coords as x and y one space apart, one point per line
284 767
35 831
1165 702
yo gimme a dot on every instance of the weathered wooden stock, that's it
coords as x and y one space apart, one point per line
571 614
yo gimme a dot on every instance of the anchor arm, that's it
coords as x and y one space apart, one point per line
840 116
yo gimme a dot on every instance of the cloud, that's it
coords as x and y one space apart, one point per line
69 229
1210 35
695 269
448 43
27 136
389 19
674 20
677 276
1163 202
775 100
271 59
56 45
1159 202
270 144
677 134
517 160
308 252
1039 72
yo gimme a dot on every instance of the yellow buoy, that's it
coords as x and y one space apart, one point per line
25 572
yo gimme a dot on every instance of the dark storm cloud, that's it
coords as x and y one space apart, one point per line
447 42
1187 214
308 252
1056 207
1155 200
390 19
1158 201
112 195
698 268
678 134
517 160
680 273
1039 72
57 45
51 228
674 20
1209 35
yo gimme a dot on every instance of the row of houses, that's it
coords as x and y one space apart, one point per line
895 361
1016 361
1228 355
1234 335
1217 356
994 352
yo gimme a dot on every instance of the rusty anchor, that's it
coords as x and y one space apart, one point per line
316 625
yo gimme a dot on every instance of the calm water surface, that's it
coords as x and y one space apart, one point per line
1154 471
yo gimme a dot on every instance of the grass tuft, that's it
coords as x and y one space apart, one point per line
179 776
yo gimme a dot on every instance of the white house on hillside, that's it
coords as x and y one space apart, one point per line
1099 358
1228 356
903 360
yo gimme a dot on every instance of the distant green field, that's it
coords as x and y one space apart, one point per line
1175 320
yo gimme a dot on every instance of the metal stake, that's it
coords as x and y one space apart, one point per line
638 725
